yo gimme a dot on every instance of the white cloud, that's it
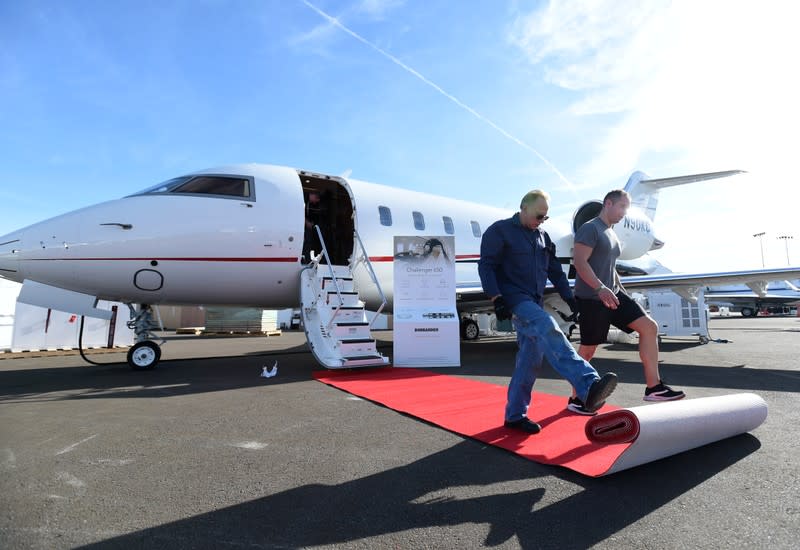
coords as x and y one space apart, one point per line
691 87
377 9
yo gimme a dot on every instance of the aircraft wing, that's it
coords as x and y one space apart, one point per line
472 298
688 285
749 298
643 282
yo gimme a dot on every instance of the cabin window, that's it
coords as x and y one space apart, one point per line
385 215
419 221
448 225
476 228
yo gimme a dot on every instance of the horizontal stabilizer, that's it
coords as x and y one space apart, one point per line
660 183
644 190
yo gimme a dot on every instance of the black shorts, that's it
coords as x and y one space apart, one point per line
595 318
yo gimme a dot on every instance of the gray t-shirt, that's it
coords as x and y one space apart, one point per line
603 259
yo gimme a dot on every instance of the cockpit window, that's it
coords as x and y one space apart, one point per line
164 186
211 185
215 185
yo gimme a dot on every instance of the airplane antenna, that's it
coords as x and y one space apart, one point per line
760 235
335 22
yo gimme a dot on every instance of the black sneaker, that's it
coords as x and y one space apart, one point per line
600 391
576 405
662 392
524 424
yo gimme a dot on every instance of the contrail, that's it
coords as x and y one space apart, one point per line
438 88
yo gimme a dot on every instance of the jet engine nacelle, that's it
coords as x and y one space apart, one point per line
635 231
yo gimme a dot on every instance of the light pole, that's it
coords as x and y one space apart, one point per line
761 241
786 244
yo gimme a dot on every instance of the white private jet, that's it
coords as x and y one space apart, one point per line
234 236
749 299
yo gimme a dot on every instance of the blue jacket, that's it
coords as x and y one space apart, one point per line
516 263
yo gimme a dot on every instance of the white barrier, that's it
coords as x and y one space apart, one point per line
37 328
9 291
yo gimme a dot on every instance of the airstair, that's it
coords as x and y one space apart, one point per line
334 317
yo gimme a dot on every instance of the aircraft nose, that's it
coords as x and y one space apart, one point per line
10 247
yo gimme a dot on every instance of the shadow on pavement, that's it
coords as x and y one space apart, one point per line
424 494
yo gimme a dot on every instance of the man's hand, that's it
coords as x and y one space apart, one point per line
501 309
573 307
608 298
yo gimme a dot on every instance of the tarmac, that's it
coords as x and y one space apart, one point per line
202 452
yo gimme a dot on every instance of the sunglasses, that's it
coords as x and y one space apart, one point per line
542 217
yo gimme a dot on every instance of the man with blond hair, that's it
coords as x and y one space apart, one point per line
517 258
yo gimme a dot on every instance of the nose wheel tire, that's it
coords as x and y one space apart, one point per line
144 355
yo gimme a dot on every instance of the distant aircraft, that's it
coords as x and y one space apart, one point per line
749 299
234 236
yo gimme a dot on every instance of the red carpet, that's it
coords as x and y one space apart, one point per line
475 409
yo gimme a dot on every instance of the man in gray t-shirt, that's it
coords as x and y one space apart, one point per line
603 302
605 250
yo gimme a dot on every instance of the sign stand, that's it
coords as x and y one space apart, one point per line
426 324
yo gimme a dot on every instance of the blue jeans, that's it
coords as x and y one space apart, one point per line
538 336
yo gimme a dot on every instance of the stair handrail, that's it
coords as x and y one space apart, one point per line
371 271
333 276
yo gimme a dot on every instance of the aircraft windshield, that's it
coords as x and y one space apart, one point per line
164 186
220 186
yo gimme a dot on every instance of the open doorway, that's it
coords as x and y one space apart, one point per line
328 205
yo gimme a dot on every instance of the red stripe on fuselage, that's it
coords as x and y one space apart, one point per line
148 259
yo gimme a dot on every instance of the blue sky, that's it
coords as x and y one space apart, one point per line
482 100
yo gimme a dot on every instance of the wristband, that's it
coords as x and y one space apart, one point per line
599 288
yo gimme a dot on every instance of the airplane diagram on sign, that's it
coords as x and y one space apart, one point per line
235 236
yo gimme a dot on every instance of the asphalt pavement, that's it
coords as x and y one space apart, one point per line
202 452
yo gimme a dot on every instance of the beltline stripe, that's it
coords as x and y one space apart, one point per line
151 258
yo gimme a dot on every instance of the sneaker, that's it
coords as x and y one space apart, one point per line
524 424
600 390
662 392
576 405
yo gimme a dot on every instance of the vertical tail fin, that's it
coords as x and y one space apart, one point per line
644 191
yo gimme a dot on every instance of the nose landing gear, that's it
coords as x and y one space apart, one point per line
145 353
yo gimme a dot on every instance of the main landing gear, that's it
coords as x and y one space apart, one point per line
145 353
469 329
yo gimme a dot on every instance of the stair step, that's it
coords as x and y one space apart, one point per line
339 271
356 347
350 315
348 299
345 284
365 361
346 331
329 280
